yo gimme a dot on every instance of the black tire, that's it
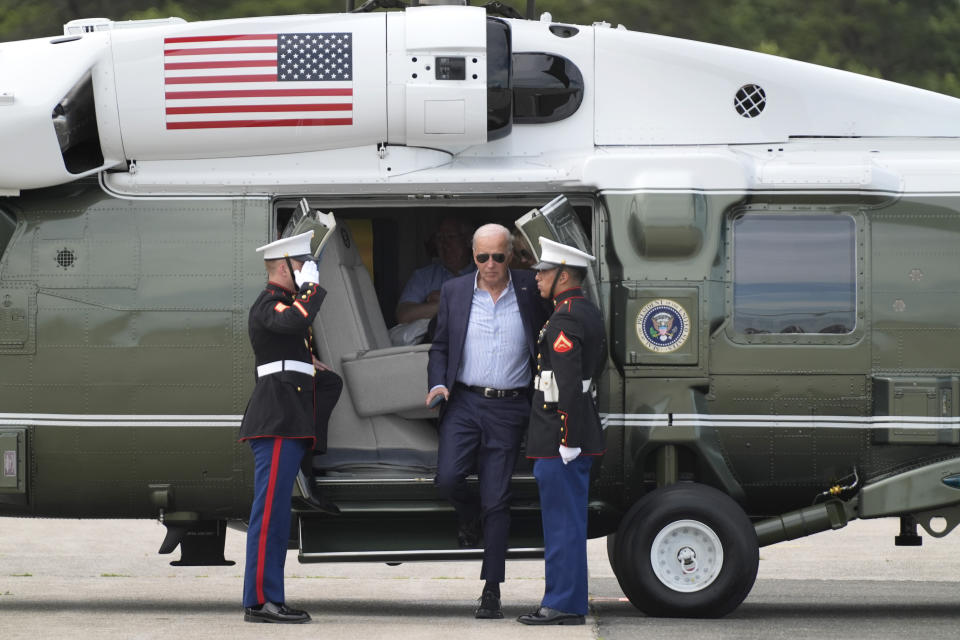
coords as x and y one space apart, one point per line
612 552
692 518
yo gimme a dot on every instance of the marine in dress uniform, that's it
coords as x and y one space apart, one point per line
282 420
565 435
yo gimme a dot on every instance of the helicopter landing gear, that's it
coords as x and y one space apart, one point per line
686 550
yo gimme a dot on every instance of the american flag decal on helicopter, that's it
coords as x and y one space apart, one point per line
258 80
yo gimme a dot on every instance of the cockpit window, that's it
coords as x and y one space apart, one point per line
794 274
546 88
499 96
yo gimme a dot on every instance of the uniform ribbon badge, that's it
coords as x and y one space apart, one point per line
562 344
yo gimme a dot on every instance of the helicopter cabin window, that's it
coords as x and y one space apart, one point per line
546 88
794 274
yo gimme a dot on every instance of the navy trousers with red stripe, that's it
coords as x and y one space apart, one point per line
564 490
276 462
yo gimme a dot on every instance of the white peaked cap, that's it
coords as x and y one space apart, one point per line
293 247
553 254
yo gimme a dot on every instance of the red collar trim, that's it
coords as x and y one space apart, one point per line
280 286
557 301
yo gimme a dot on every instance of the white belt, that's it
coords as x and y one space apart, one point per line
545 382
285 365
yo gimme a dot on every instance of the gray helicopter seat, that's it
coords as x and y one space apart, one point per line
380 426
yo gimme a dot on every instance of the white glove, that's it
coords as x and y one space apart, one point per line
307 273
569 453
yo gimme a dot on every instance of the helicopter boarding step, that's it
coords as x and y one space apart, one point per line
424 528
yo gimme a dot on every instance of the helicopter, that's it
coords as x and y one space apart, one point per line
777 251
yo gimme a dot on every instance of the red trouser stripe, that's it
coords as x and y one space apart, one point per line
265 525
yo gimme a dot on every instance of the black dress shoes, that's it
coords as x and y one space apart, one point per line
317 503
312 500
279 613
468 535
546 615
489 608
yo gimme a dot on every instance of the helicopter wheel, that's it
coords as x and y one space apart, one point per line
685 550
612 553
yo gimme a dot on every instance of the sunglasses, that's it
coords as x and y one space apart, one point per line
497 257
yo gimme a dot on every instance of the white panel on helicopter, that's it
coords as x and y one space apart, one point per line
252 87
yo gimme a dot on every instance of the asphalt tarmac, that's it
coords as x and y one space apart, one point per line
103 579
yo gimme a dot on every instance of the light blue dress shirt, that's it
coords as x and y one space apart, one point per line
495 349
428 279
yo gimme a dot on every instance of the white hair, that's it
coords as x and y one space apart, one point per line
491 230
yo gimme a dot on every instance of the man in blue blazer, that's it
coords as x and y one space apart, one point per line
481 362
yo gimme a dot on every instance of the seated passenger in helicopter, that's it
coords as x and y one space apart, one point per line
421 296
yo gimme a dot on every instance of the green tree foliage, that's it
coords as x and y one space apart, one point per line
906 41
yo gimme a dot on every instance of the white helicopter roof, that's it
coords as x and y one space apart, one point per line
208 106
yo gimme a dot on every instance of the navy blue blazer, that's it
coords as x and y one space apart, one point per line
456 300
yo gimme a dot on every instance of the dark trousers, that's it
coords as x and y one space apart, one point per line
327 386
482 435
276 462
563 508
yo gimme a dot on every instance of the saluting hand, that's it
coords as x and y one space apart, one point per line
308 273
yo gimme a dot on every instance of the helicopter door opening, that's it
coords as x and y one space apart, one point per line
380 427
375 358
384 386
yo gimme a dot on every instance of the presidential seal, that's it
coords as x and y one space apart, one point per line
663 326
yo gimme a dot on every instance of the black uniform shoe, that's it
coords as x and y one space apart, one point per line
311 500
279 613
316 503
489 608
295 612
468 535
546 615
